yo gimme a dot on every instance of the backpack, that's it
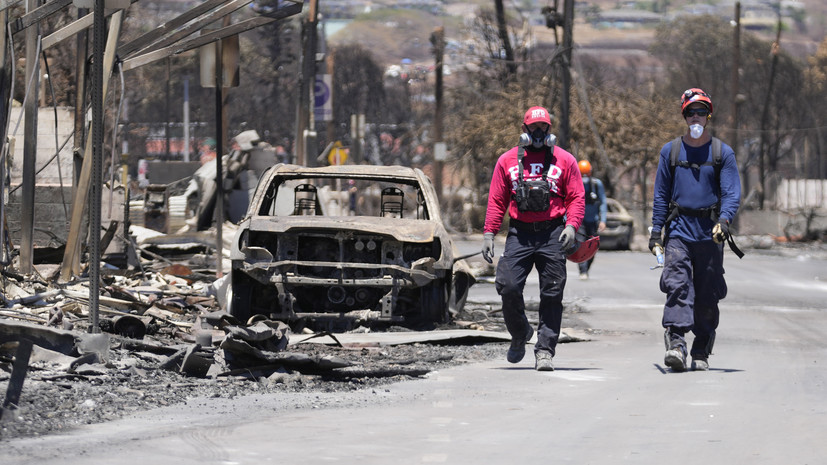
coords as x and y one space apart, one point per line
712 212
591 192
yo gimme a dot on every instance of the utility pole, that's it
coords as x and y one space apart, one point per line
306 79
219 151
765 114
502 30
186 119
736 101
29 146
5 100
82 48
167 149
95 186
565 98
438 41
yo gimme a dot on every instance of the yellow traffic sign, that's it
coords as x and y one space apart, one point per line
337 155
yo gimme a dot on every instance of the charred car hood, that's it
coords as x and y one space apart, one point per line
405 230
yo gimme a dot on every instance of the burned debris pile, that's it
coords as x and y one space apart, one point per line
164 337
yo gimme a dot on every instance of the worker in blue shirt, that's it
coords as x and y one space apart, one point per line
594 221
697 193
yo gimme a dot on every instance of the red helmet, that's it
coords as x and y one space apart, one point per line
695 95
585 167
583 251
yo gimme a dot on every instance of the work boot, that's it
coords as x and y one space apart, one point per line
543 361
517 350
675 357
700 364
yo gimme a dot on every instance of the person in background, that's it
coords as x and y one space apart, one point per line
594 221
282 156
538 184
695 200
352 192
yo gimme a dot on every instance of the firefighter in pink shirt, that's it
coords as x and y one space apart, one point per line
539 185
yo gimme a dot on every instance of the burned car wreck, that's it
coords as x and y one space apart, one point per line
346 245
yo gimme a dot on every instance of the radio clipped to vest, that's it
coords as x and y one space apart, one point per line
534 195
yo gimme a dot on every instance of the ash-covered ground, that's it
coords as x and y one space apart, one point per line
56 400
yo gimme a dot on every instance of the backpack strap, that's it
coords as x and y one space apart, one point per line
520 155
674 154
593 187
717 163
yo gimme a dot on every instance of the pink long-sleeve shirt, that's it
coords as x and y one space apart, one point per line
568 194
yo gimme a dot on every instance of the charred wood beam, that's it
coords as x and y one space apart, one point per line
141 346
21 315
33 17
71 256
67 31
72 28
150 57
121 306
49 338
27 300
145 42
18 374
171 25
6 4
108 235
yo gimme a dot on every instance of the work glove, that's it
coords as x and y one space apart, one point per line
720 232
567 237
488 247
655 241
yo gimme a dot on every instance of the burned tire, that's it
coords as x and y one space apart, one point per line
431 308
241 298
249 298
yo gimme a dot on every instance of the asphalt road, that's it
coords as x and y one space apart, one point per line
610 400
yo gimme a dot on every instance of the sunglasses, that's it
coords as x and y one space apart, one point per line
703 112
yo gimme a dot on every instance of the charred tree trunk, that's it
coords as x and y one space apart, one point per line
505 41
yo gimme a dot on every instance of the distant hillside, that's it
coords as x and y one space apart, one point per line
394 33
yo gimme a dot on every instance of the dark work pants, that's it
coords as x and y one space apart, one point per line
587 229
523 251
693 280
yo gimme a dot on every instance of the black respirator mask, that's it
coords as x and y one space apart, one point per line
537 139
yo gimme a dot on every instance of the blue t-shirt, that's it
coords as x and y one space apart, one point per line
695 188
